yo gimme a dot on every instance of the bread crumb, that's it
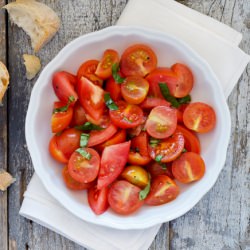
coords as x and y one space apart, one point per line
5 180
4 80
32 64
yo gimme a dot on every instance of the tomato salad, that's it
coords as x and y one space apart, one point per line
125 130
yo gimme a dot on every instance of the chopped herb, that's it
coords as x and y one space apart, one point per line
126 119
154 142
184 100
158 158
166 94
88 126
144 192
64 108
184 150
84 153
109 102
115 74
163 165
84 140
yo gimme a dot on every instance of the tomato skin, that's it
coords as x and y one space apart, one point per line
185 80
163 190
55 152
82 169
138 59
151 102
169 148
199 117
104 68
123 197
127 115
61 120
73 184
113 161
98 199
180 112
156 169
188 168
114 89
161 122
63 84
79 115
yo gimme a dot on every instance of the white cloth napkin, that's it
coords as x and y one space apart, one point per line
215 42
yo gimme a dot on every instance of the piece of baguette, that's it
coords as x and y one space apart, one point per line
32 64
38 20
4 80
5 180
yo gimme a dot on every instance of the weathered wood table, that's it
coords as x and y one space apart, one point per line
221 220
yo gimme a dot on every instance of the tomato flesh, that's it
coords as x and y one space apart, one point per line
114 89
79 115
156 169
152 102
55 152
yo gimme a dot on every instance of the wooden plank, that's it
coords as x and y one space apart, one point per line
221 219
3 139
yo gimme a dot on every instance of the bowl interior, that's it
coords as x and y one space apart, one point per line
169 51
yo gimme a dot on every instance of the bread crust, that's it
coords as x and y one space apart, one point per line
4 80
32 64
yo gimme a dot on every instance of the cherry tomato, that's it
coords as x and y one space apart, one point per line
113 161
83 170
61 120
98 199
156 169
123 197
114 89
199 117
192 143
87 69
104 68
188 167
180 112
152 102
163 190
91 97
136 175
138 60
168 149
73 184
55 152
63 84
161 122
79 115
161 75
132 132
127 115
185 80
134 89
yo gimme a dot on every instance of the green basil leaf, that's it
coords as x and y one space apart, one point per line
84 153
185 99
84 140
158 158
64 108
144 192
109 102
163 165
154 142
88 126
184 150
115 74
166 94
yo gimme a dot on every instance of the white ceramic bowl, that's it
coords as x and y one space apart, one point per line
169 51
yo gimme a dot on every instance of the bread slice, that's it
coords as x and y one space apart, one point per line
5 180
38 20
32 64
4 80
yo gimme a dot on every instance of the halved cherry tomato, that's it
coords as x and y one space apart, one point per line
163 190
119 137
98 199
123 197
73 184
188 168
151 102
87 69
63 84
114 89
104 68
91 97
138 60
137 130
55 152
180 112
127 115
161 75
156 169
185 80
168 149
134 89
199 117
61 120
161 122
79 115
136 175
83 170
113 161
192 143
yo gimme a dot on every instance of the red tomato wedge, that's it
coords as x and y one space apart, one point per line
180 112
199 117
188 168
82 169
156 169
168 149
113 161
91 97
161 122
123 197
61 120
114 89
55 152
79 115
152 102
134 89
185 80
73 184
98 199
139 60
104 68
127 115
163 190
